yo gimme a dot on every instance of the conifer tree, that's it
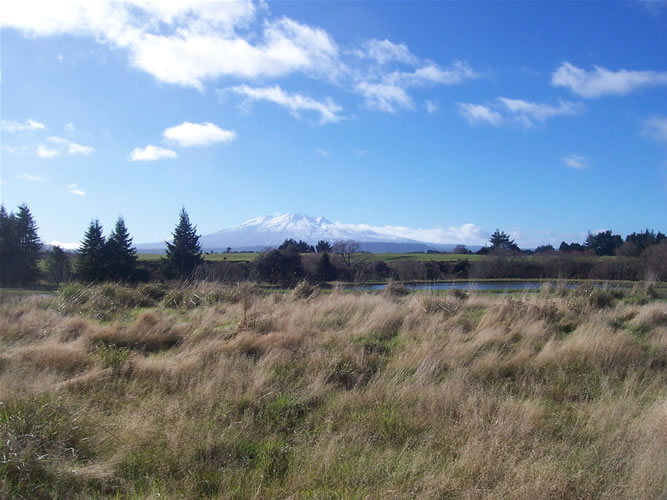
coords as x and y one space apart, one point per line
326 271
58 265
91 263
184 252
120 254
8 247
29 245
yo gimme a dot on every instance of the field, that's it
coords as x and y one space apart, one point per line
232 392
213 257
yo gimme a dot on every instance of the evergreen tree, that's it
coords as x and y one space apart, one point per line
8 248
29 245
58 265
121 255
323 246
184 253
501 241
91 264
326 271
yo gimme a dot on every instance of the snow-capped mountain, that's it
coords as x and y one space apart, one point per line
270 231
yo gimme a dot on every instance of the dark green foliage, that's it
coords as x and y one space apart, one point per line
91 262
184 253
326 271
291 245
8 247
323 246
19 247
279 266
544 249
29 245
572 247
501 241
121 255
641 241
58 265
603 243
461 249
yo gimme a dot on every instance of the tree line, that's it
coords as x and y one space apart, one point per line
114 257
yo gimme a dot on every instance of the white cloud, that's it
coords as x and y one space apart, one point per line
477 113
78 149
322 152
189 134
70 128
65 245
469 234
46 153
656 128
525 113
151 153
193 43
602 81
295 103
31 178
27 126
431 106
57 140
384 97
75 190
16 150
387 91
384 51
575 161
72 148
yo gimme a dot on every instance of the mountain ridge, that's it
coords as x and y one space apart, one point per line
268 231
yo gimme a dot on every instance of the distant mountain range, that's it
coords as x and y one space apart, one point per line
270 231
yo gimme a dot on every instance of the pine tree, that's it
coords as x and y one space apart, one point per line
326 271
121 255
8 248
91 264
184 253
58 265
500 240
29 245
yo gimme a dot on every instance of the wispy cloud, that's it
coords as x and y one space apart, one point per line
384 97
431 106
469 234
75 190
70 147
478 113
575 161
27 126
31 178
656 127
78 149
295 103
16 150
518 111
602 81
151 153
189 134
46 153
322 152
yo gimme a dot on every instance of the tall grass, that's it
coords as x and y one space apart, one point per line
211 391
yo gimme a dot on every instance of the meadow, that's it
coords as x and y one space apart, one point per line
206 390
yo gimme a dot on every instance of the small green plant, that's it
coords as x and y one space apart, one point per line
111 356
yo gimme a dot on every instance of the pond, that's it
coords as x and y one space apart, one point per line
482 285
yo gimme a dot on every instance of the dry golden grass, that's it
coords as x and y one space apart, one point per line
231 392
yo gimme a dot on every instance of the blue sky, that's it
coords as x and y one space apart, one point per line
438 121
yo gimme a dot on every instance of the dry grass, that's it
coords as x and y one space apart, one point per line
231 392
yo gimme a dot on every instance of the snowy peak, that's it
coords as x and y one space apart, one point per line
272 230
